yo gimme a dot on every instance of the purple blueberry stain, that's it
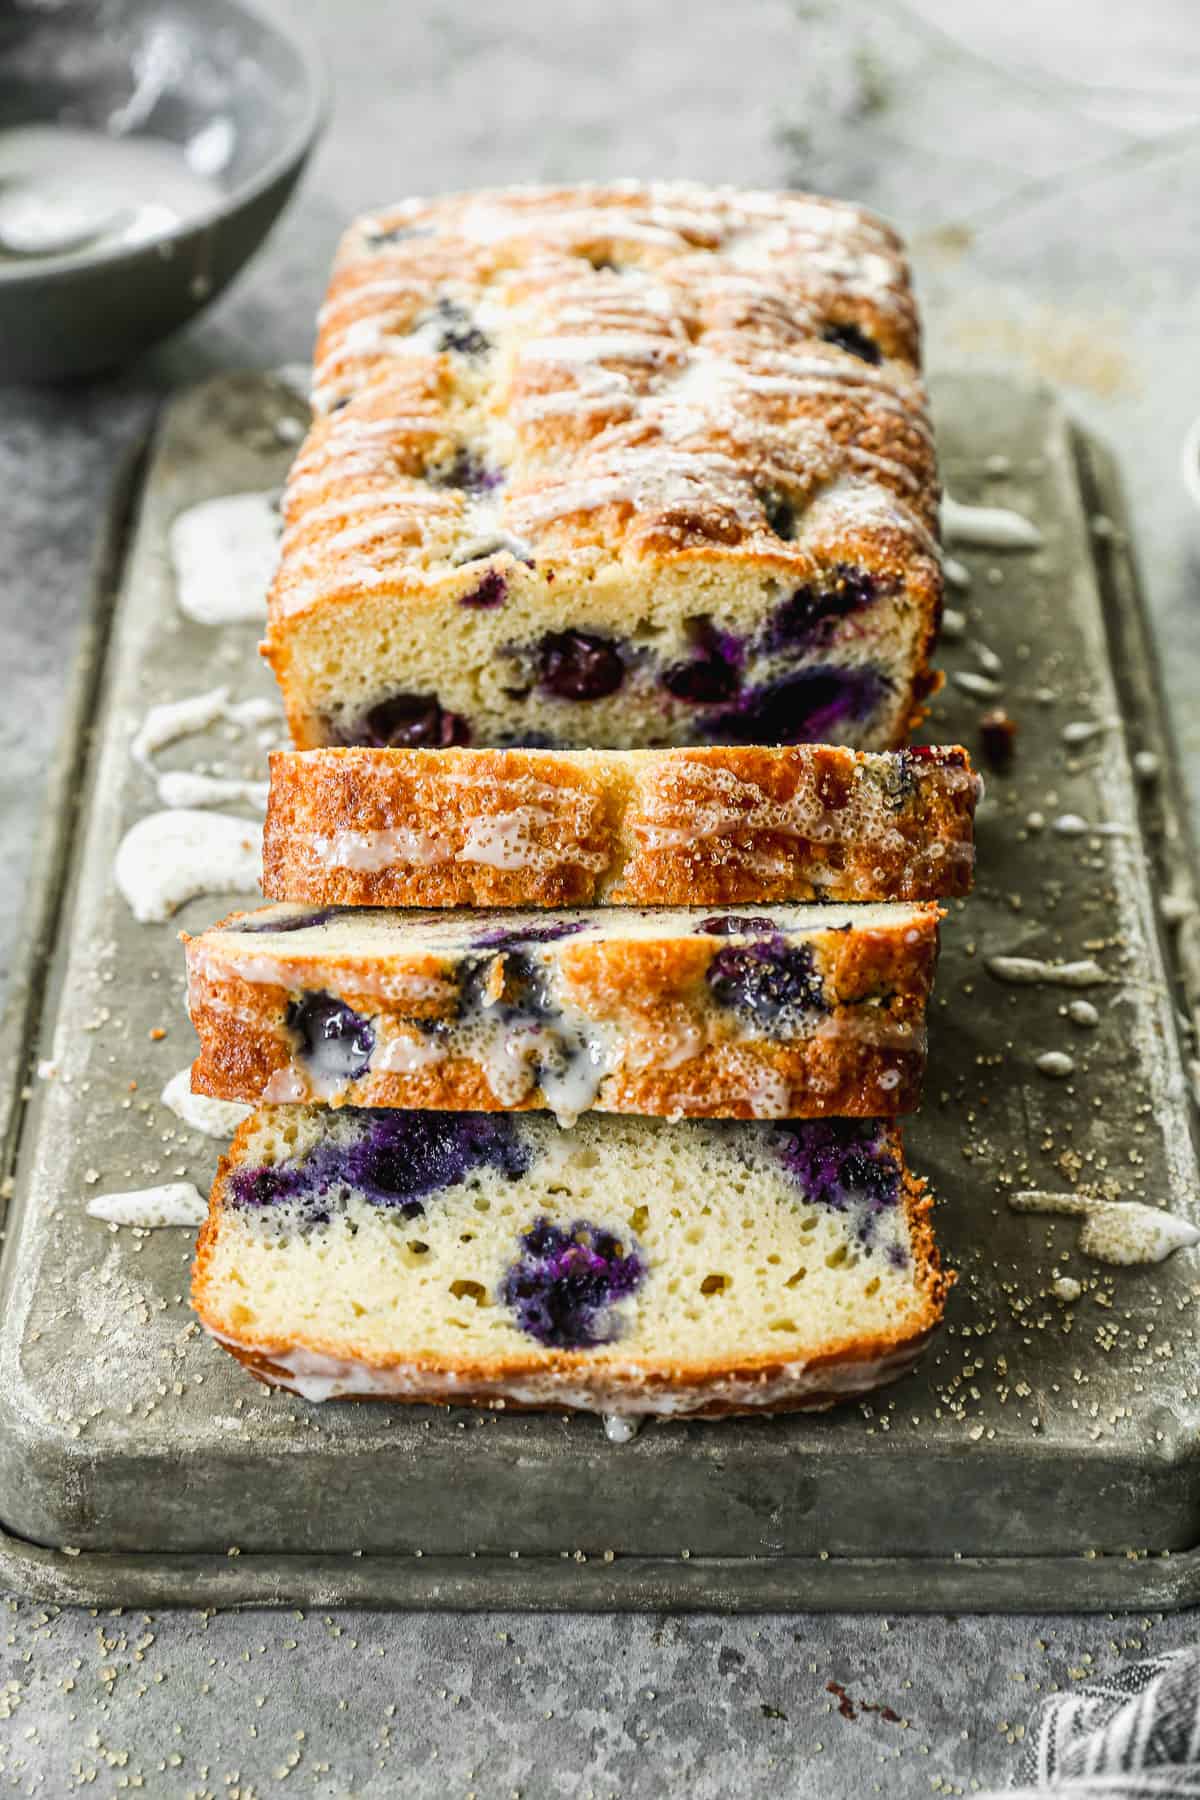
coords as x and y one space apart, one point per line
524 997
713 671
906 766
396 1160
565 1282
736 925
579 665
700 682
466 470
504 937
771 983
809 615
805 708
458 330
844 1164
491 592
305 921
406 1156
854 339
409 722
304 1184
335 1042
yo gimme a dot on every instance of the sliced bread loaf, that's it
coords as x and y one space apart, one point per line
767 1012
633 827
627 1266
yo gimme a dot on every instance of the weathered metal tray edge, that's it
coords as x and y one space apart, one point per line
1160 1582
1173 852
50 862
1150 1578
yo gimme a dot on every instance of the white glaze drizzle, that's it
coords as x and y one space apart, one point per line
173 1203
184 787
1115 1231
369 851
621 1428
1026 971
199 1112
287 1087
620 346
171 857
988 527
523 837
224 552
404 1053
172 719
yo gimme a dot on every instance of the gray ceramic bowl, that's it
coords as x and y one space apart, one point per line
163 69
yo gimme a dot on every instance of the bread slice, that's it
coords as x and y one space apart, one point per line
622 827
627 1266
612 467
771 1012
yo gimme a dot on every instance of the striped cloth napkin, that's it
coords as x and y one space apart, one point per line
1133 1736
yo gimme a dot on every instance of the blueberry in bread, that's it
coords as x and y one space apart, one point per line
612 467
625 1266
763 1012
623 827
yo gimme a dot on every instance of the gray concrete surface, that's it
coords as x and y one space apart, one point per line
1046 174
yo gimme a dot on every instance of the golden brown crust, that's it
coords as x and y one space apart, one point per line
483 1382
351 477
809 1079
830 261
694 827
678 1055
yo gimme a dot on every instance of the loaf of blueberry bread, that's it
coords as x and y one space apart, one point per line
626 1266
620 827
774 1012
612 467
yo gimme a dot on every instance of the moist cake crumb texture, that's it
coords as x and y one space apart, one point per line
629 1265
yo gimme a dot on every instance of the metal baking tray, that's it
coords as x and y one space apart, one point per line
1043 1455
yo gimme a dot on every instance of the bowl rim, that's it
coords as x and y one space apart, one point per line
291 154
1189 461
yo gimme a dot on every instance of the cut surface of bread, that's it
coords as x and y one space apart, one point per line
612 467
767 1012
358 827
624 1266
